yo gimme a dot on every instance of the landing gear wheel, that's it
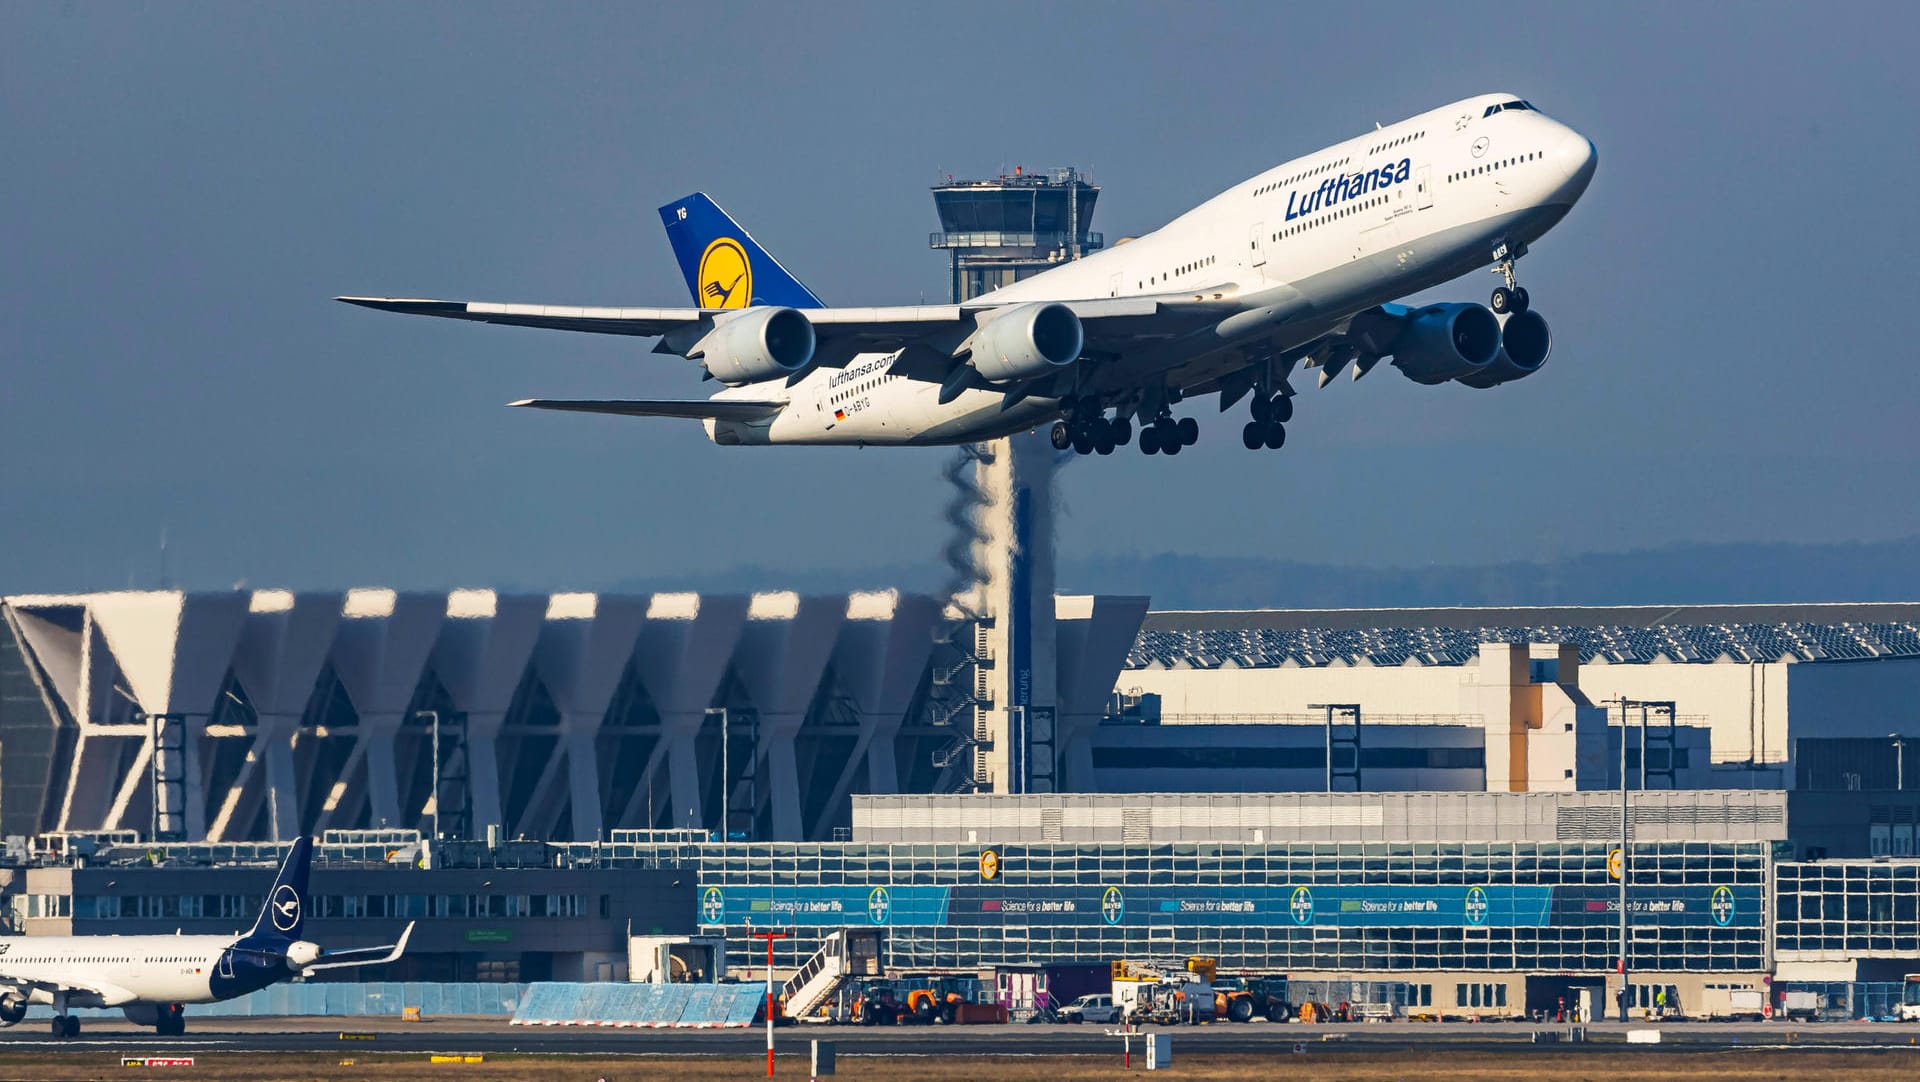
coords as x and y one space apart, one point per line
1276 436
1280 409
59 1027
1168 433
1103 440
1520 300
1262 408
1189 431
1253 435
70 1026
1062 437
1082 443
1121 430
1502 301
1149 439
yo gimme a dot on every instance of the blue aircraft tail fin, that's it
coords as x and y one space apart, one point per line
284 916
723 265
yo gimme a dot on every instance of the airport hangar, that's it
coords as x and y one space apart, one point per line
1774 838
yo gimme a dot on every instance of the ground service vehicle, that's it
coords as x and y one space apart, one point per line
1147 993
1910 999
1094 1008
1242 999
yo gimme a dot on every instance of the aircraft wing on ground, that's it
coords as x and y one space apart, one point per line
719 409
110 995
1109 323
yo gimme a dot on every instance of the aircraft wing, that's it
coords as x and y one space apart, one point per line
720 409
1110 323
110 995
365 956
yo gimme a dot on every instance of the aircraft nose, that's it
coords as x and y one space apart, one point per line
1576 158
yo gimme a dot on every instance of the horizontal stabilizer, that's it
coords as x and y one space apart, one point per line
719 409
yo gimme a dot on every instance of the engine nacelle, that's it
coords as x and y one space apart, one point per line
1446 341
1027 341
13 1009
758 344
1525 342
301 954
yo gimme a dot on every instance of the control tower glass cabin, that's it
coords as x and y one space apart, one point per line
998 231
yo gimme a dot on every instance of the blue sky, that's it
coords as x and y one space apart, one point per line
187 185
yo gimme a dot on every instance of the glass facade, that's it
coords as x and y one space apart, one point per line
1330 906
1851 908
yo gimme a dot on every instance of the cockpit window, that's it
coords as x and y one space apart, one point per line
1499 106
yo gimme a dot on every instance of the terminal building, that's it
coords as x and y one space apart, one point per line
1420 802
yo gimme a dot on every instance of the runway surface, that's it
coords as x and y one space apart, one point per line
495 1036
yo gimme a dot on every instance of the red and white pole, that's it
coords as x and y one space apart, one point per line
770 937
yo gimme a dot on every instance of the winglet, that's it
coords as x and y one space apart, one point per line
723 265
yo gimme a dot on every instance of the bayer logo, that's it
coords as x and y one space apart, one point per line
285 908
1301 905
1476 905
1721 906
1113 905
879 905
713 906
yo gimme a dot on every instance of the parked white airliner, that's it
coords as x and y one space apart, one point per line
1299 264
150 977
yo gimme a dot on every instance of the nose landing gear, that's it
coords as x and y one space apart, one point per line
1509 299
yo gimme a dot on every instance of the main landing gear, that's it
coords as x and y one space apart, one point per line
1166 436
65 1025
1269 425
1090 431
1509 299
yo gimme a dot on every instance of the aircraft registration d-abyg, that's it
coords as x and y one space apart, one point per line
1300 264
150 977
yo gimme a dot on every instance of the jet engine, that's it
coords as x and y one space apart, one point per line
1446 341
1525 342
301 954
758 344
13 1008
1027 341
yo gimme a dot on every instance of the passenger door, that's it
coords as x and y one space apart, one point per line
1257 243
1423 187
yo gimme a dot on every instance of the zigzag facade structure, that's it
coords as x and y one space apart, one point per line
262 715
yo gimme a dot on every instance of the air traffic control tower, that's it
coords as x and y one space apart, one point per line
996 232
1000 669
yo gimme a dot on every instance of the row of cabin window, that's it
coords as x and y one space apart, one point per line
1185 269
1389 145
1297 177
1334 165
859 389
105 959
1341 213
1491 166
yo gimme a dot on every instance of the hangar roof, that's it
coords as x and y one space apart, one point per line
1271 638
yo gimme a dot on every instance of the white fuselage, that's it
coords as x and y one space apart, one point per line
1304 240
151 968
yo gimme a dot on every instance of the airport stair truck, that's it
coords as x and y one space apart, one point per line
847 955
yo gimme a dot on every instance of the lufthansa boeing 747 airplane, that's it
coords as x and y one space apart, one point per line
1299 265
150 976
